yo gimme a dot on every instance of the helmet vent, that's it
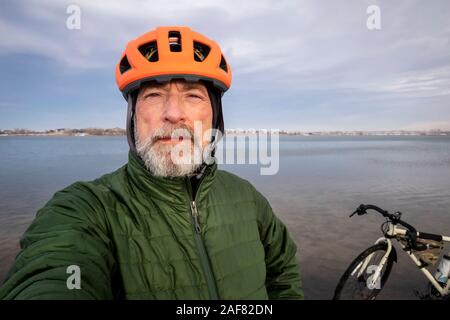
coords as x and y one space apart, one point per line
150 51
201 51
175 41
124 65
223 64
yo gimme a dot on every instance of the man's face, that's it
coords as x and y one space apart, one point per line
165 118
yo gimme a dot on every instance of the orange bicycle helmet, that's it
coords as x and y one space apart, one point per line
172 53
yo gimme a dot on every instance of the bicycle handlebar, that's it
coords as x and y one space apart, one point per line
411 233
362 209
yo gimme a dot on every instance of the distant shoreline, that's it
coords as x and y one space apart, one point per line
121 132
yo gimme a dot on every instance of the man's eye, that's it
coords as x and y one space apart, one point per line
194 96
152 95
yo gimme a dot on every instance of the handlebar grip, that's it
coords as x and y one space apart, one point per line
362 209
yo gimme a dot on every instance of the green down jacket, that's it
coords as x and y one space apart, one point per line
137 236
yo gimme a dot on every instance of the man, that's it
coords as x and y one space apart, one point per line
164 226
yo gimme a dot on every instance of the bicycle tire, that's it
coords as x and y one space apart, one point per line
373 292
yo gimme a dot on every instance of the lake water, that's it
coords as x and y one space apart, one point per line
321 180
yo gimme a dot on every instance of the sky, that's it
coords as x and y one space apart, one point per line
308 65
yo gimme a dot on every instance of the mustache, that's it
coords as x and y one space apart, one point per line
181 132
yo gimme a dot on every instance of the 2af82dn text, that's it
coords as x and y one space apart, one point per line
226 309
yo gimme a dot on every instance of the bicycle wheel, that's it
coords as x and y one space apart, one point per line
355 283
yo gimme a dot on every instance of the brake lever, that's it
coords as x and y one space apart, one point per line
356 211
360 211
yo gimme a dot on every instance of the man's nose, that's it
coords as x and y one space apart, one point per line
174 111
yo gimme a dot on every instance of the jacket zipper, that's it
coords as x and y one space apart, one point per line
194 212
206 263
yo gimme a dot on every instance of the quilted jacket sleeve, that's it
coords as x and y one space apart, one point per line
64 233
283 279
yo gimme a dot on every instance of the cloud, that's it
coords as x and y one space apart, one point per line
413 84
309 48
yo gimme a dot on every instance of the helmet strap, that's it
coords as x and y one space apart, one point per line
131 99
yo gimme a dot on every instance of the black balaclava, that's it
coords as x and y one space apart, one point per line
215 95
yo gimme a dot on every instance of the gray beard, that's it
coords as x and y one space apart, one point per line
158 160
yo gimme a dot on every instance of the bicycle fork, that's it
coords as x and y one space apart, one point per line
361 267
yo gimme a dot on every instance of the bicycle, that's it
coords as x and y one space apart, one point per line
367 274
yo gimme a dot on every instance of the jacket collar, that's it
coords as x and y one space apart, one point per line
173 190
